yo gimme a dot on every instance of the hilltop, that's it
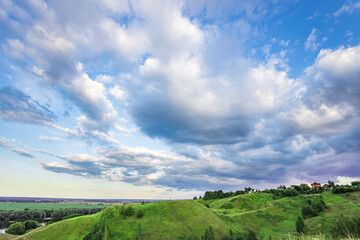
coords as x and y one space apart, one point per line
264 214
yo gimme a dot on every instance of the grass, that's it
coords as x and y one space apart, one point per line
346 204
179 219
164 220
6 236
43 206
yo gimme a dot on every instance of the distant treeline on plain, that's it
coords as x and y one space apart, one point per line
7 216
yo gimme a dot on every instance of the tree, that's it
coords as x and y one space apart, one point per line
127 211
300 225
304 187
331 184
30 224
195 198
248 189
355 184
17 228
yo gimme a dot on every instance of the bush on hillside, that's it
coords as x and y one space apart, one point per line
313 207
308 211
300 225
127 211
139 213
96 233
17 228
344 189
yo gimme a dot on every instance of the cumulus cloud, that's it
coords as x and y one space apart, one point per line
183 74
330 100
179 102
118 93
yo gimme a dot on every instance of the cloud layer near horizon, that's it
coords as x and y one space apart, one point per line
229 112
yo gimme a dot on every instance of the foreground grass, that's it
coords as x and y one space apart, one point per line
71 229
6 236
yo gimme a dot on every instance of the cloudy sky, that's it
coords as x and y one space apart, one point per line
167 99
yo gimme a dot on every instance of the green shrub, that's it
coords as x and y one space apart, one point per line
30 224
300 225
139 213
127 211
17 228
227 206
209 234
344 189
252 235
96 233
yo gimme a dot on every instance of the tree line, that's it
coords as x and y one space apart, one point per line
35 214
283 191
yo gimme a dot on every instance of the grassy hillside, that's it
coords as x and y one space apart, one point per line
180 219
276 217
161 220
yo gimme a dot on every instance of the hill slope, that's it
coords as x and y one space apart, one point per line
181 219
161 220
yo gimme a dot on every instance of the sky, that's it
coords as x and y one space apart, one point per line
168 99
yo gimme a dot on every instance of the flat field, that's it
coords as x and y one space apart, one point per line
22 206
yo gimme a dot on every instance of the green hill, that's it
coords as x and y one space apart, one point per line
258 212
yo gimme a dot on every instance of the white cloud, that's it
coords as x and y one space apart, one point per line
48 138
311 41
118 93
104 78
342 180
155 175
322 119
347 8
340 62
